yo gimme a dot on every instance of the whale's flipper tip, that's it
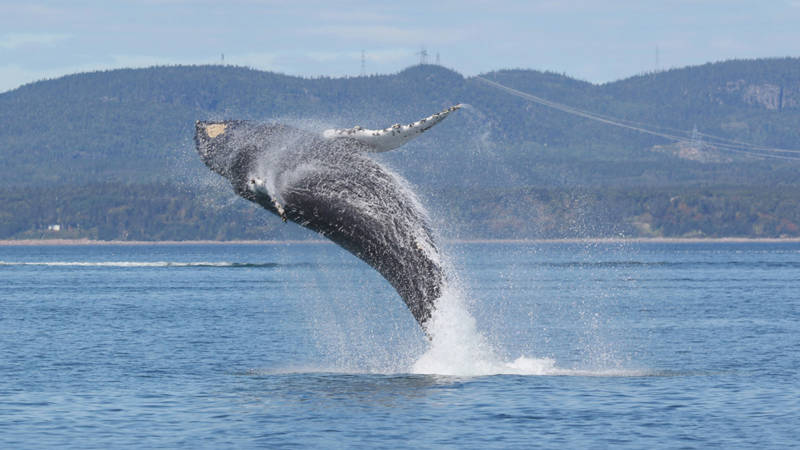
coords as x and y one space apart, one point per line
391 137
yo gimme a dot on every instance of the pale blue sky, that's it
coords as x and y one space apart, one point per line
596 41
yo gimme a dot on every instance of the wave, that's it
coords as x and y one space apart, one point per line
650 264
522 366
135 264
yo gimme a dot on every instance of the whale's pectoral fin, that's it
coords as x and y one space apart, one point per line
392 137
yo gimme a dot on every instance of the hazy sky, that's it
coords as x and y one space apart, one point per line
592 40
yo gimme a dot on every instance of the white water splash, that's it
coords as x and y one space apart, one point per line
458 348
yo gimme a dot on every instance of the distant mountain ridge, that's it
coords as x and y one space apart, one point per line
134 127
78 127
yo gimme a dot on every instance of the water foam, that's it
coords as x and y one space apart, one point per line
458 348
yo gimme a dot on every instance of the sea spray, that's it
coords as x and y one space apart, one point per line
456 347
477 331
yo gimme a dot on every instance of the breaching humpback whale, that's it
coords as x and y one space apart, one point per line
327 182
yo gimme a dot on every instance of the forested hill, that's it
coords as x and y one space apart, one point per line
504 166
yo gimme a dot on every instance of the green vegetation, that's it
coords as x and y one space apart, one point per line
109 155
166 212
624 212
134 212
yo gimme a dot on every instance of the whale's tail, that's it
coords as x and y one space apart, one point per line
391 137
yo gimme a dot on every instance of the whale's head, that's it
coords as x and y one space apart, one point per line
215 142
258 159
234 148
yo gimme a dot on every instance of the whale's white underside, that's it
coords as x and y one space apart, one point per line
391 137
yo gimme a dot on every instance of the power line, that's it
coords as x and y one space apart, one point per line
722 143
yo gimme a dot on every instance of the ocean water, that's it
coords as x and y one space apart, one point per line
536 345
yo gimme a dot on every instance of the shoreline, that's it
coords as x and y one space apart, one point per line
640 240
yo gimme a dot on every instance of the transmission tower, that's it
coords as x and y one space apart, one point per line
363 63
423 56
697 140
437 59
658 67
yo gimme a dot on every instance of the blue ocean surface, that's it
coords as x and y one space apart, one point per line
647 345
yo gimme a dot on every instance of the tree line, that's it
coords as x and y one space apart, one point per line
167 212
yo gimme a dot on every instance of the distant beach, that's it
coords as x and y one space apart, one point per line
44 242
32 242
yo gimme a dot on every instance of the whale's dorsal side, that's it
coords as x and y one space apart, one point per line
391 137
